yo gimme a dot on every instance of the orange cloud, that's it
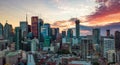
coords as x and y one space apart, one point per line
63 25
101 21
108 12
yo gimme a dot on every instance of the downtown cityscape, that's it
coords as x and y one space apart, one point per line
83 32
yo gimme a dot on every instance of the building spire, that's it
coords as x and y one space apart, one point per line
6 21
26 18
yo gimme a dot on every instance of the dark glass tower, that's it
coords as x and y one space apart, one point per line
77 28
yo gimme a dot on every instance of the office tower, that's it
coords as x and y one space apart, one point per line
40 36
34 26
117 45
29 28
1 31
54 33
86 48
63 34
77 28
18 38
107 33
96 35
8 32
108 48
69 33
117 40
40 24
45 30
24 28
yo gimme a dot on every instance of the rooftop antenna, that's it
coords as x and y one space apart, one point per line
6 21
26 18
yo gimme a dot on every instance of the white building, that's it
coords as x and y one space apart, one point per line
108 44
111 56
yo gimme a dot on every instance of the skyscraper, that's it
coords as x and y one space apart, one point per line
8 32
96 35
108 33
117 40
54 33
45 30
24 28
117 45
77 28
1 30
40 24
69 33
63 34
40 36
34 26
18 38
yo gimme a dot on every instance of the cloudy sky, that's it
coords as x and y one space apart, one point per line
59 12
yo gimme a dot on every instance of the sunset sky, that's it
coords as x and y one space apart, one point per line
59 13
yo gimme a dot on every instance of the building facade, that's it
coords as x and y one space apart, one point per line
34 26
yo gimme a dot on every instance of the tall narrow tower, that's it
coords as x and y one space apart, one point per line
34 26
77 28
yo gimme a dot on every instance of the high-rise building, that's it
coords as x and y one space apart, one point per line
34 26
86 48
8 32
108 33
40 36
40 24
45 30
54 33
96 35
107 45
117 45
18 38
1 31
63 34
29 28
77 28
24 28
117 40
69 33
